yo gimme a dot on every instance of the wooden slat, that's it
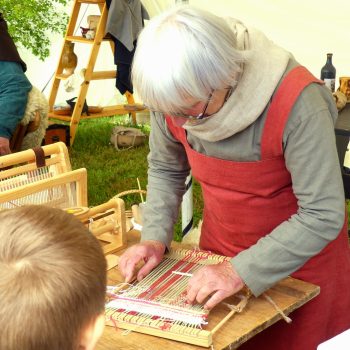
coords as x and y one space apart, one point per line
58 152
104 75
62 76
64 118
79 39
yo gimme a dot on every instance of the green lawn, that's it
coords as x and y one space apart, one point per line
111 171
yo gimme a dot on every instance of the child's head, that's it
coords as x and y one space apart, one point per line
52 281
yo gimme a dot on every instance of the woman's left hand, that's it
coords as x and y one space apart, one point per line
214 281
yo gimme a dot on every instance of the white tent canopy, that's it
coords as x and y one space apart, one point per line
309 29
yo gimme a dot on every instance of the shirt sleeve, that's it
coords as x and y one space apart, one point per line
311 158
14 89
167 172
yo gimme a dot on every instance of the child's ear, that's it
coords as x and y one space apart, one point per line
92 333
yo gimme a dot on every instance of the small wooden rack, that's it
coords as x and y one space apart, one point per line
90 75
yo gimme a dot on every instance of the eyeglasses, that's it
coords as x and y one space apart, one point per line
186 116
203 115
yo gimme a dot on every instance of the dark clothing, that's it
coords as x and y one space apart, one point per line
124 23
14 89
123 59
8 50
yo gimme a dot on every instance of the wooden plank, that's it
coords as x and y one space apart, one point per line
259 314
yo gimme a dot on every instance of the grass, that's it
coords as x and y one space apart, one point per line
111 171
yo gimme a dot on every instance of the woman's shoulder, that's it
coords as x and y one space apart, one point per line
314 102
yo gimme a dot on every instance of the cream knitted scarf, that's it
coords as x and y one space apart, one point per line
263 68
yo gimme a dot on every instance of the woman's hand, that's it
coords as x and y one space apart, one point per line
150 252
214 281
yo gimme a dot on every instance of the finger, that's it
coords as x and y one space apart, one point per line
205 292
192 290
129 267
215 299
150 264
122 263
130 272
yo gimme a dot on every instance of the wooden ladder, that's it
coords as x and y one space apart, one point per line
90 74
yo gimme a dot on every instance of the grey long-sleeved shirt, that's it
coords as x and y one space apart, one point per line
311 157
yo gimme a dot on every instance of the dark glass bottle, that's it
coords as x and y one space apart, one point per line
328 73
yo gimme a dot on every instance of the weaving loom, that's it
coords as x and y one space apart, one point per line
157 305
26 171
60 191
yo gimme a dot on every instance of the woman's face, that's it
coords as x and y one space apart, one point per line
199 111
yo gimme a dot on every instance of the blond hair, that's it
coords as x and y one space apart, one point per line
52 279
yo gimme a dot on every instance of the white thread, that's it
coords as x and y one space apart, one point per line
182 273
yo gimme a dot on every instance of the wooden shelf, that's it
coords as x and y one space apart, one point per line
106 112
81 39
91 1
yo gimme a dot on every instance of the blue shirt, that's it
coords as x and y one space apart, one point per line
14 89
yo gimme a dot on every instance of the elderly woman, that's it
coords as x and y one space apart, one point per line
256 129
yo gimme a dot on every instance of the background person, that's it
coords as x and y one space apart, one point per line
14 88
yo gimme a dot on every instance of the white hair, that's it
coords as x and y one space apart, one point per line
184 52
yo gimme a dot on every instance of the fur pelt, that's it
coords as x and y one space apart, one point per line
36 102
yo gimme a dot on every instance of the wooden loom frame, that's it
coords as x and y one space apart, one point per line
56 156
182 333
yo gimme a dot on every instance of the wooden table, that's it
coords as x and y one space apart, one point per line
259 314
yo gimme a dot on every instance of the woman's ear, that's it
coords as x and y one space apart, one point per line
92 333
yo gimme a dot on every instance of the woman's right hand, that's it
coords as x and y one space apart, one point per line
151 252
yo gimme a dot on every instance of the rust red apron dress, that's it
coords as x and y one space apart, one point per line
244 201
